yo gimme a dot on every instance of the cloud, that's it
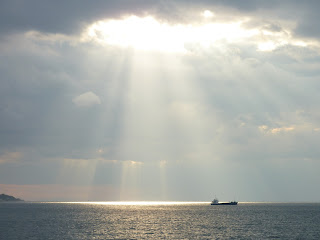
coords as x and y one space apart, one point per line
219 108
62 17
87 99
10 157
266 129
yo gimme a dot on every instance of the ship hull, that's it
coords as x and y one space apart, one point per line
226 203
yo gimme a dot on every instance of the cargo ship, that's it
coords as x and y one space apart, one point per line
216 202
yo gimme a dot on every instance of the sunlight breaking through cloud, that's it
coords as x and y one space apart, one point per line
207 14
147 104
149 34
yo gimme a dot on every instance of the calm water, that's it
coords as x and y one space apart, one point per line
170 221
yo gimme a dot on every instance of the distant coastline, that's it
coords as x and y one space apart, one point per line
8 198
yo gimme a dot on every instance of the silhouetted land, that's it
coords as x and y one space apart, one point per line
8 198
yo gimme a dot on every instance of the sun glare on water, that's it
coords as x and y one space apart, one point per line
137 203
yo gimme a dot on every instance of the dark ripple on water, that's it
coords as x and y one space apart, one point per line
176 221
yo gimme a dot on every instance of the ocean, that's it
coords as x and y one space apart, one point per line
37 220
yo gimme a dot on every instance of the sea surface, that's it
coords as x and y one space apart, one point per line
116 220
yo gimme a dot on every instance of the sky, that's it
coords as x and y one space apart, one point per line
136 100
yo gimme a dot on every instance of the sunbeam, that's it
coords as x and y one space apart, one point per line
159 101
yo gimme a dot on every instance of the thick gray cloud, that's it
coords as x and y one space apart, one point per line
70 17
64 17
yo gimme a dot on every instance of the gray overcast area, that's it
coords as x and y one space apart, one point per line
184 101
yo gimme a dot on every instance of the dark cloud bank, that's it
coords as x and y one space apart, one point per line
70 16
